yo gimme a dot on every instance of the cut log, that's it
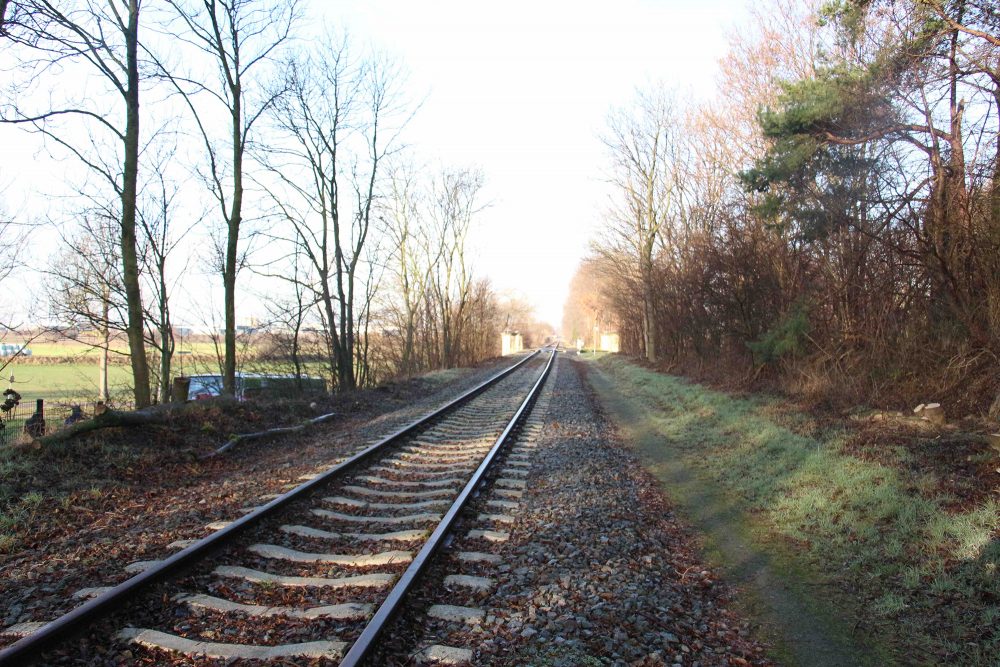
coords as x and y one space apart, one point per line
931 412
934 413
106 419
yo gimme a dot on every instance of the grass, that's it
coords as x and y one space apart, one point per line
35 481
76 382
923 576
69 383
74 349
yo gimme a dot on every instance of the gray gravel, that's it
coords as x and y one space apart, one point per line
598 570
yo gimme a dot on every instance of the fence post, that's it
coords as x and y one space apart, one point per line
182 385
35 425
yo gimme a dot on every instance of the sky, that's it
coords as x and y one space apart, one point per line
520 90
523 91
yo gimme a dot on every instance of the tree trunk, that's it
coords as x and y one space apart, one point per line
232 248
345 353
408 342
166 356
130 261
103 394
995 185
296 361
332 355
166 329
648 314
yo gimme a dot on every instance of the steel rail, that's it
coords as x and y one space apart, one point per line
363 646
30 647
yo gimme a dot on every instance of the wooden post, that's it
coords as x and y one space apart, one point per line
182 385
34 426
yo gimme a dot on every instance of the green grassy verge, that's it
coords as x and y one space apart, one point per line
909 567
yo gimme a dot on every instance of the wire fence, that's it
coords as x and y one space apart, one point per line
27 419
14 419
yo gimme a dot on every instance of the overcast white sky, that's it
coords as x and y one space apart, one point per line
522 89
519 89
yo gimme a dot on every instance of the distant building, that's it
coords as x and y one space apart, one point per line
511 342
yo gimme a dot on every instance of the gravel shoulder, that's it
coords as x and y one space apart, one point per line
121 496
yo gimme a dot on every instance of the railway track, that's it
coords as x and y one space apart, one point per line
318 573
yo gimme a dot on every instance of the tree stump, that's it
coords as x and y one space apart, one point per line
932 412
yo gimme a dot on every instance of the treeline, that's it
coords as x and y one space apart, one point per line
830 222
274 146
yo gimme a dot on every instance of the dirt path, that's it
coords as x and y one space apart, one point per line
803 629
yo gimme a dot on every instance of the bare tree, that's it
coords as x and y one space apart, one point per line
241 38
454 203
159 239
101 38
289 314
341 118
414 260
85 289
642 143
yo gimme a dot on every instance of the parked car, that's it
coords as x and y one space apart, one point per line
10 349
250 385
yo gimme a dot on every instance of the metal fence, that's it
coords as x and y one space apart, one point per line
30 419
16 422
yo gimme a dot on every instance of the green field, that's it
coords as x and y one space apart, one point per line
76 382
65 349
64 382
66 372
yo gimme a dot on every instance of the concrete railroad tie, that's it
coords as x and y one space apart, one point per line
489 535
348 611
258 577
378 493
347 560
438 654
467 581
351 518
447 482
154 639
363 504
478 557
398 536
447 612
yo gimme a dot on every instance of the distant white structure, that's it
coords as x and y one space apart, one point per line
511 342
